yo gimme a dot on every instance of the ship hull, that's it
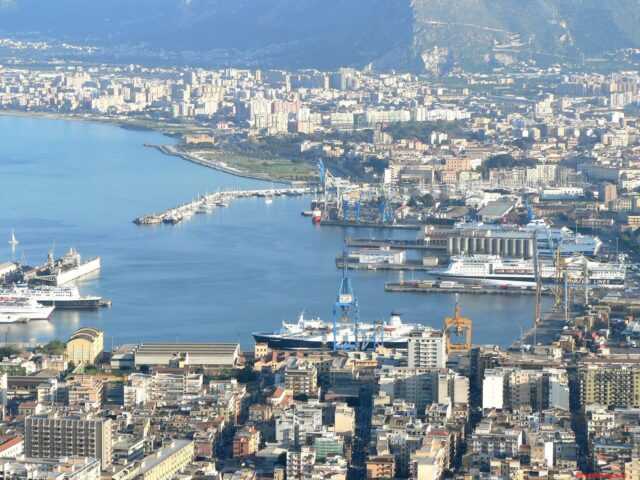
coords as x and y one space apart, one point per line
78 304
527 281
82 270
283 343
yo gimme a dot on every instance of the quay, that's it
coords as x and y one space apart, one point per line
421 286
207 203
409 265
546 332
377 225
393 244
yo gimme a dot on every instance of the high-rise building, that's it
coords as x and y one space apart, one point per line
493 389
427 349
301 378
610 385
55 437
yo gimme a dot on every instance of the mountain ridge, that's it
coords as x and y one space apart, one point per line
330 33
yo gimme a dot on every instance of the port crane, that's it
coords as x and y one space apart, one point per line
345 311
458 326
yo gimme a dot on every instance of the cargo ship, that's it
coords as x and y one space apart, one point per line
66 269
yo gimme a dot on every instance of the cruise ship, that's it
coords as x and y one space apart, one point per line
14 308
67 268
316 333
498 271
66 297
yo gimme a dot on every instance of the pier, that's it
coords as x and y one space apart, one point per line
449 287
393 244
546 332
409 265
207 203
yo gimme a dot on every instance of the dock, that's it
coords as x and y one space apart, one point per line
409 266
207 203
378 225
419 286
548 331
393 244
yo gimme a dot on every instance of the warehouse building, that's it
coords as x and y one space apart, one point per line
211 355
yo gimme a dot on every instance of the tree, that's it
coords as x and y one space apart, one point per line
54 347
8 351
427 200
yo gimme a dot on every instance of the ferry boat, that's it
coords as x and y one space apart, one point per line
498 271
317 334
66 297
14 308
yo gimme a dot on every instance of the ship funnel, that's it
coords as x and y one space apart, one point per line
395 320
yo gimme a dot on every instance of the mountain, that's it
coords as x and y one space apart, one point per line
330 33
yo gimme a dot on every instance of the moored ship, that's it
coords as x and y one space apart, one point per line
498 271
66 297
14 308
316 333
67 268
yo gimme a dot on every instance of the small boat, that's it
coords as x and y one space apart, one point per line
306 213
316 215
13 241
268 200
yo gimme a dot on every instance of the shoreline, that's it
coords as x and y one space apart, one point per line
132 124
172 151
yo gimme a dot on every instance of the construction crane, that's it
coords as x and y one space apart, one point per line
345 312
458 326
561 290
536 270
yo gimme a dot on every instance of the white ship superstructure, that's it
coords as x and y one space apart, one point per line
66 297
498 271
20 308
315 333
68 268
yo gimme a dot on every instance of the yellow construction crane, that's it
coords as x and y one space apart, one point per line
459 326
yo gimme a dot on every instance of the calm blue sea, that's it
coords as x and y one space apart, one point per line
216 277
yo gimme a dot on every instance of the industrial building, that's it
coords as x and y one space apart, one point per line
491 241
211 355
85 346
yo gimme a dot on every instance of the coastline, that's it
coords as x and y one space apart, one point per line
219 166
168 130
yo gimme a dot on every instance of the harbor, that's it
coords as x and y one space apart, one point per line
209 202
159 276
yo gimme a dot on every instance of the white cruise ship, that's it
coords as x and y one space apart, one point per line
15 308
498 271
66 297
